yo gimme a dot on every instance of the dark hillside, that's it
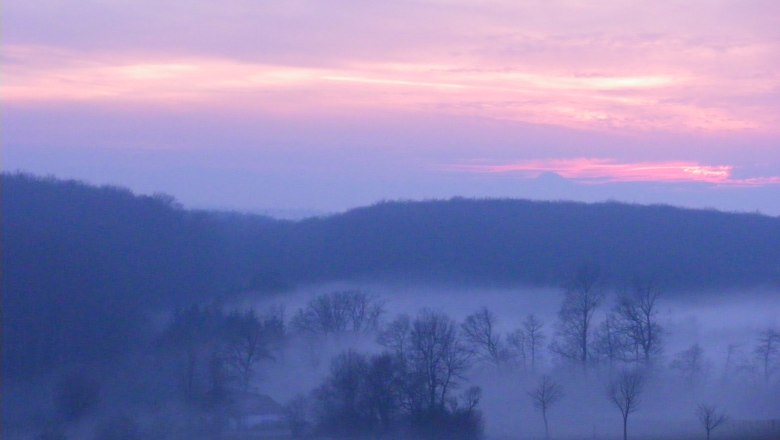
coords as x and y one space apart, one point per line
518 241
83 265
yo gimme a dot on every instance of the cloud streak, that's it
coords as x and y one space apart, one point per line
607 66
600 171
600 100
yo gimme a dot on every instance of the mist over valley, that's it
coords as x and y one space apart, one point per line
127 316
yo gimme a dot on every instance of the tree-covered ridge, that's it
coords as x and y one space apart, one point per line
118 301
82 265
532 242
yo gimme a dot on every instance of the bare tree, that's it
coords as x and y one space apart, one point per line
690 364
249 339
434 356
728 365
532 327
710 418
343 410
339 312
517 347
609 343
546 394
637 321
767 351
383 388
220 352
470 398
274 326
194 334
583 295
624 391
438 354
395 335
479 331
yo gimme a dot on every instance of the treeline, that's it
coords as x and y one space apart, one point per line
530 242
191 380
414 387
85 267
420 382
476 240
82 267
413 376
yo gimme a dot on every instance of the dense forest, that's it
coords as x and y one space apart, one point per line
527 242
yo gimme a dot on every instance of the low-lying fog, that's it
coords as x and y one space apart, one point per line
725 372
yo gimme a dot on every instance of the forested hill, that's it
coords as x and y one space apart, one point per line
67 235
511 241
83 265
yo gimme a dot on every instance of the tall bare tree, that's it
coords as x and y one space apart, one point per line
609 342
479 331
728 366
546 394
194 333
532 326
437 353
342 395
690 364
434 356
517 347
710 418
583 295
384 386
249 339
637 312
395 335
624 392
768 350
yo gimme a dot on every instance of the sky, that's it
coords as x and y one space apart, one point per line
296 107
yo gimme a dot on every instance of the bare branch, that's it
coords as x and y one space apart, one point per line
710 417
624 391
479 331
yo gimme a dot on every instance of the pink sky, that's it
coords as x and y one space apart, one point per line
602 171
361 94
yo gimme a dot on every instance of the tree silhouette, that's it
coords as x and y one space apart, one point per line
637 319
479 331
583 295
546 394
624 392
339 312
767 351
710 418
532 327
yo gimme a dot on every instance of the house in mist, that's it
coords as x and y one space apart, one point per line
258 416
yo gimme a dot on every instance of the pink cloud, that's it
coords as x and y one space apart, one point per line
610 65
532 94
595 171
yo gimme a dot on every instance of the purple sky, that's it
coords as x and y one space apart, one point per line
328 105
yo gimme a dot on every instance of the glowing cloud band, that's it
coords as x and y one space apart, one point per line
592 170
